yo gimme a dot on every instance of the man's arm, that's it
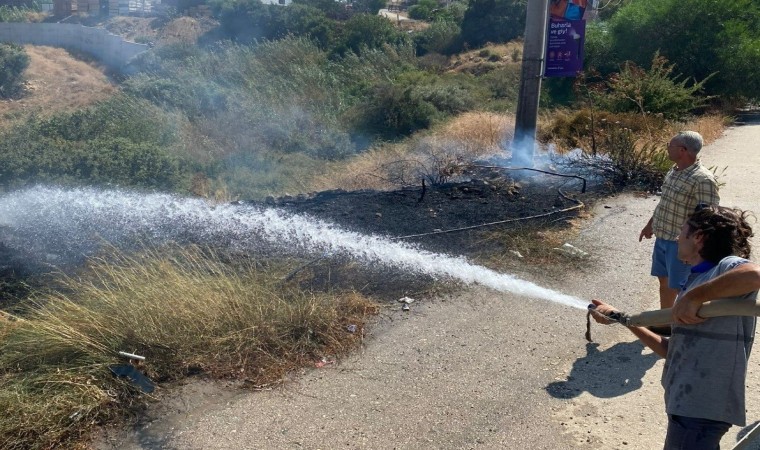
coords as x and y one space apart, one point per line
657 343
647 232
738 281
706 192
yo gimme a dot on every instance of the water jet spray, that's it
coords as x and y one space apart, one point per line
71 220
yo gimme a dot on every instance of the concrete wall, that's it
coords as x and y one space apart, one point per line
113 51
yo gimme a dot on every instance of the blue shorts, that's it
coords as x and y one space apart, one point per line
665 263
694 434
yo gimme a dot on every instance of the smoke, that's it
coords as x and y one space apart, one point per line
523 148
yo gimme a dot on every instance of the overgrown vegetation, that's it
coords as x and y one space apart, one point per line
187 311
19 13
119 141
654 91
699 37
13 62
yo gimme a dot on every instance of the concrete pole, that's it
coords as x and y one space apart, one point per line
530 83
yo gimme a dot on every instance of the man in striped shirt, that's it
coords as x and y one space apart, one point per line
687 185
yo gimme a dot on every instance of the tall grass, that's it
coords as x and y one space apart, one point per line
457 142
186 311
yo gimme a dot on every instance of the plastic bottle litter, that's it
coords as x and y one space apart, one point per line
571 251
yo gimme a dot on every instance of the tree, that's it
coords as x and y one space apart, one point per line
368 31
423 10
439 37
249 20
493 21
698 36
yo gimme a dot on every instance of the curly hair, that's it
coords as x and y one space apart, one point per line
725 231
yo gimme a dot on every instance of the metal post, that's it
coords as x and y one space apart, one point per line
530 83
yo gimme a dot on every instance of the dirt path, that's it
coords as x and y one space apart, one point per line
480 369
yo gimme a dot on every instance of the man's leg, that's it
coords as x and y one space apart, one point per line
667 293
688 433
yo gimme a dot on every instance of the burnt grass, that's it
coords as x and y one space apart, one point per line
430 217
427 216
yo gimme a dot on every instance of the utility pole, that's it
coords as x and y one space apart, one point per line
530 83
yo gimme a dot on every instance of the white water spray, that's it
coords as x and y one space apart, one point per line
68 217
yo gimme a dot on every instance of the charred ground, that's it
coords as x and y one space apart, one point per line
430 215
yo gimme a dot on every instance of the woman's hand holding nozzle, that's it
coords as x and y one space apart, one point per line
601 312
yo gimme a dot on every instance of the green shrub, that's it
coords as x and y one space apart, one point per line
699 36
440 37
13 63
123 162
248 21
492 21
653 91
396 110
366 32
194 97
599 52
17 13
503 83
423 10
120 141
414 101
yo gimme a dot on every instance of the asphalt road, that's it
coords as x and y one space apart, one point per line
480 369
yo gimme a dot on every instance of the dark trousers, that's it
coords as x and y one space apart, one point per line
689 433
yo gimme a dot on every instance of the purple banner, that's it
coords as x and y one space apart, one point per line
564 47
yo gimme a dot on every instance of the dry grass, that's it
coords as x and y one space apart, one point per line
184 310
183 29
487 58
569 129
710 126
467 137
482 133
56 82
534 244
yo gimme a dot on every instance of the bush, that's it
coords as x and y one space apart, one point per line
13 63
493 21
367 32
653 91
440 37
17 13
571 129
423 10
599 49
503 83
120 141
413 102
247 21
395 110
194 97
